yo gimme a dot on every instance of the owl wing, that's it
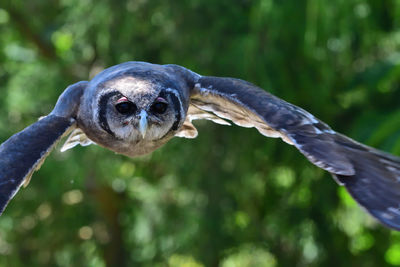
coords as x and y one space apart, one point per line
24 152
371 176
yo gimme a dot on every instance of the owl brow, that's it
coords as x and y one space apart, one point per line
103 111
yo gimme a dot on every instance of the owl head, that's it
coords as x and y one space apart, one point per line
129 108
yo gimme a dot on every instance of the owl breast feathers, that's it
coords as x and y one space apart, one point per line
135 107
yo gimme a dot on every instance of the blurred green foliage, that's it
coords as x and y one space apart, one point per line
230 197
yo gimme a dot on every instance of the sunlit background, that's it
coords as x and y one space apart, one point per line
231 197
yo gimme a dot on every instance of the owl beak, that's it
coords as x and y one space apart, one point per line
143 123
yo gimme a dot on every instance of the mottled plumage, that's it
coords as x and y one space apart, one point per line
135 107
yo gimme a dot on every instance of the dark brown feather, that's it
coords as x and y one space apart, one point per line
28 148
371 176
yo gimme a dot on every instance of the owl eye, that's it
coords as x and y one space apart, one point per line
126 107
160 106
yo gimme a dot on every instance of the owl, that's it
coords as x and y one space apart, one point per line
135 107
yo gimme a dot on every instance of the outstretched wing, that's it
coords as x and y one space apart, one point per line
24 152
372 177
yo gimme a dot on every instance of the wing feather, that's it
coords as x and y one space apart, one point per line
77 137
371 176
24 152
249 106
